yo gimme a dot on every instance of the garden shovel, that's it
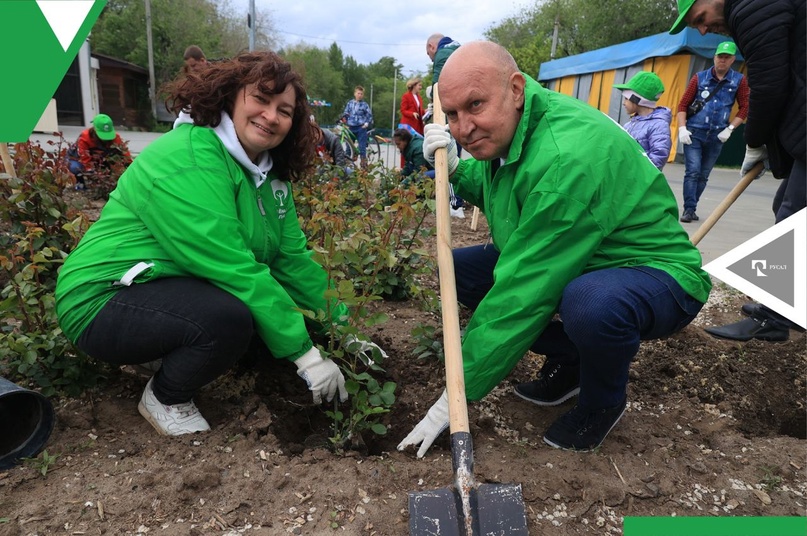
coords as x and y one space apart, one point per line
724 205
467 508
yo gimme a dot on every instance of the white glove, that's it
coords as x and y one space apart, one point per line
365 125
752 156
725 134
429 92
436 136
430 108
322 376
363 349
684 136
416 115
427 430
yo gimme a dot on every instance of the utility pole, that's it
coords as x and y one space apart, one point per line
555 37
251 24
150 45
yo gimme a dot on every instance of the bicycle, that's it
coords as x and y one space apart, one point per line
351 145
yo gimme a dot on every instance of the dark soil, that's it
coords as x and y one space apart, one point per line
713 428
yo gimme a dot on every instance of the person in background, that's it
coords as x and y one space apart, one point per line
97 150
198 256
582 227
330 150
649 124
772 37
412 109
194 59
705 124
358 116
411 148
438 48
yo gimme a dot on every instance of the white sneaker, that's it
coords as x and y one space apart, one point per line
171 420
457 213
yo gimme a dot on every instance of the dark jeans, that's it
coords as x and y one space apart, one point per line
605 314
790 197
197 329
699 159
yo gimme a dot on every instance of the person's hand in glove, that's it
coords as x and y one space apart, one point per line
363 349
429 92
752 156
684 136
429 112
427 430
322 376
365 125
436 136
725 134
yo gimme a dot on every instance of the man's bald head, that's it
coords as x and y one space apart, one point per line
481 91
431 44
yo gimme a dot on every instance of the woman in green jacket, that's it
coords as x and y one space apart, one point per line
199 248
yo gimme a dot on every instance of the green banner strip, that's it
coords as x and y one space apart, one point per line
715 526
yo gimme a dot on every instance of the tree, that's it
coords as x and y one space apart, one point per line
583 25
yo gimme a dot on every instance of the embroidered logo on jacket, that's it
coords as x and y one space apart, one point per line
280 191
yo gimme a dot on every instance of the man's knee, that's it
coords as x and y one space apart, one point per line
588 305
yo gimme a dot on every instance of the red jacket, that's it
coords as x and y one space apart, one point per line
410 107
92 151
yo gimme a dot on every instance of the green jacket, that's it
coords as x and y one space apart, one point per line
446 47
189 207
413 157
574 195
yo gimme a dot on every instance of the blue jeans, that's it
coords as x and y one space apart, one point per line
699 159
605 314
361 137
196 328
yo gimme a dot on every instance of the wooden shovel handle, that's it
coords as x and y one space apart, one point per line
455 378
724 205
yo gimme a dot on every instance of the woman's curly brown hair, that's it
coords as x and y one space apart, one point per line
206 93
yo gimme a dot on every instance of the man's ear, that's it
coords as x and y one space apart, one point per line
517 84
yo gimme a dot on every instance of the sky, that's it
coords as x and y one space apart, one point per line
369 30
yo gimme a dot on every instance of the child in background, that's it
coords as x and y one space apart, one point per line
649 124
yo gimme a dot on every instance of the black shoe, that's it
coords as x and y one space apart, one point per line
556 384
688 216
751 328
751 309
695 216
581 429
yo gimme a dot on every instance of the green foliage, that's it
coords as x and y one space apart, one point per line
214 26
370 241
583 25
369 236
38 232
429 342
41 463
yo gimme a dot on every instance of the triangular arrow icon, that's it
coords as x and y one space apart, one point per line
65 17
771 268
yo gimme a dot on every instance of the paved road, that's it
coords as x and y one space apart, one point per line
747 217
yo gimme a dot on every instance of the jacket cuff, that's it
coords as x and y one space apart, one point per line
297 355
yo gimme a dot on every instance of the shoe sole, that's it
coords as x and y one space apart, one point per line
588 449
558 402
743 339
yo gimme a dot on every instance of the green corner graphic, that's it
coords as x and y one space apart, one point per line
34 64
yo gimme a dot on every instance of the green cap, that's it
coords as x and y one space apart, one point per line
683 7
104 128
645 84
726 47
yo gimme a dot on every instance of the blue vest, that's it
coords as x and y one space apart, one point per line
716 112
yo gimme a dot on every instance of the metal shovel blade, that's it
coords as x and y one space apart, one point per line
499 512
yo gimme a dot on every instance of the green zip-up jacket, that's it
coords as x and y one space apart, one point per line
191 209
574 195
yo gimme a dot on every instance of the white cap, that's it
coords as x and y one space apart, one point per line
627 93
